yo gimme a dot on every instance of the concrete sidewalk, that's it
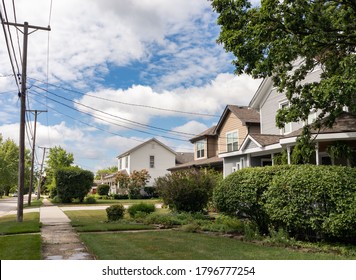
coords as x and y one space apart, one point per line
59 240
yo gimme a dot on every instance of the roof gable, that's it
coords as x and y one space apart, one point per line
144 144
245 114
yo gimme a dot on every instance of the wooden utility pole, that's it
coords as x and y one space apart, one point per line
21 179
39 180
33 153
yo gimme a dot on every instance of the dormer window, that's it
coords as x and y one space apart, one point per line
231 141
200 149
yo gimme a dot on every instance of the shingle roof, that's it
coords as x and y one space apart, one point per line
266 139
346 122
183 157
245 114
213 161
209 132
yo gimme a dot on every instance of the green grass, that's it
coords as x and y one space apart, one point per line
111 201
9 225
20 247
34 203
177 245
23 246
96 220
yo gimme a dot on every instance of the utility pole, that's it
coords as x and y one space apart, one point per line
21 179
33 153
39 180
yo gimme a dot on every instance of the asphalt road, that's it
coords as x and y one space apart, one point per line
9 204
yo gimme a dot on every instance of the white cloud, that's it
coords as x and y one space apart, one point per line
191 127
208 99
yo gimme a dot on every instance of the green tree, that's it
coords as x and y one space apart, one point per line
267 41
57 158
105 171
9 162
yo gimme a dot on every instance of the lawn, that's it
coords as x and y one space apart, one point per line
14 243
96 220
9 225
112 201
178 245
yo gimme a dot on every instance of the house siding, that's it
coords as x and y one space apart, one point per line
231 162
140 159
232 123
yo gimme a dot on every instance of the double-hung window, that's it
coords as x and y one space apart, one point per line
200 149
152 161
231 141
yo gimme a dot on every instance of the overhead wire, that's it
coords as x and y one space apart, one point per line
130 104
180 133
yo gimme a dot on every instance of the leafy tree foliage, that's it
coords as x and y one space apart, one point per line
103 189
269 39
105 171
9 161
72 183
133 182
57 158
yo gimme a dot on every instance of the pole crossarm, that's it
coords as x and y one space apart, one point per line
29 26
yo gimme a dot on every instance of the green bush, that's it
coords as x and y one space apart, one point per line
90 200
103 189
141 208
188 190
241 194
72 183
121 196
115 212
316 202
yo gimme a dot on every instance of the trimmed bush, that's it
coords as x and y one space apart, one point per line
141 208
241 193
115 212
90 200
314 202
103 189
187 190
72 183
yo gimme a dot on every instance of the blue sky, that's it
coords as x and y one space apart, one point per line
113 74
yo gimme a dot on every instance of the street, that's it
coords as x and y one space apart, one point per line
9 204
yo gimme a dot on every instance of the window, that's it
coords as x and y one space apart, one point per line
152 161
231 141
288 126
312 117
200 147
120 163
126 162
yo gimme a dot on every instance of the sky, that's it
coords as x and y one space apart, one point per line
113 74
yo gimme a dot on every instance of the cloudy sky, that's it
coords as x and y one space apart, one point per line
115 73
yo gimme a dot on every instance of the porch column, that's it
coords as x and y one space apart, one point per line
288 154
317 153
272 156
248 161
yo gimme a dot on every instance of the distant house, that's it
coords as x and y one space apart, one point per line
152 155
258 148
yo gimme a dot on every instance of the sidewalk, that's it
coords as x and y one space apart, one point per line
59 240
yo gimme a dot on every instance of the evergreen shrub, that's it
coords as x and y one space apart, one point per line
103 189
115 212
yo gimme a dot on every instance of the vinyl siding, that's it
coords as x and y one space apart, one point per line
232 123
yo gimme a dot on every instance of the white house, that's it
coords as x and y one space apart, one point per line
152 155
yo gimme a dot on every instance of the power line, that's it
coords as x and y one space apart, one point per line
118 117
113 123
127 103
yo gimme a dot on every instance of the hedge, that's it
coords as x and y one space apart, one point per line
241 193
314 202
73 183
307 201
103 189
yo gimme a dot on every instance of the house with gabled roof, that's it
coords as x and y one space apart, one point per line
226 137
259 148
152 155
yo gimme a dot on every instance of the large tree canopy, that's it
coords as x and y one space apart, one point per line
267 41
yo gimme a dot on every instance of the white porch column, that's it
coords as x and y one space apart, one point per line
317 153
288 154
248 161
272 156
